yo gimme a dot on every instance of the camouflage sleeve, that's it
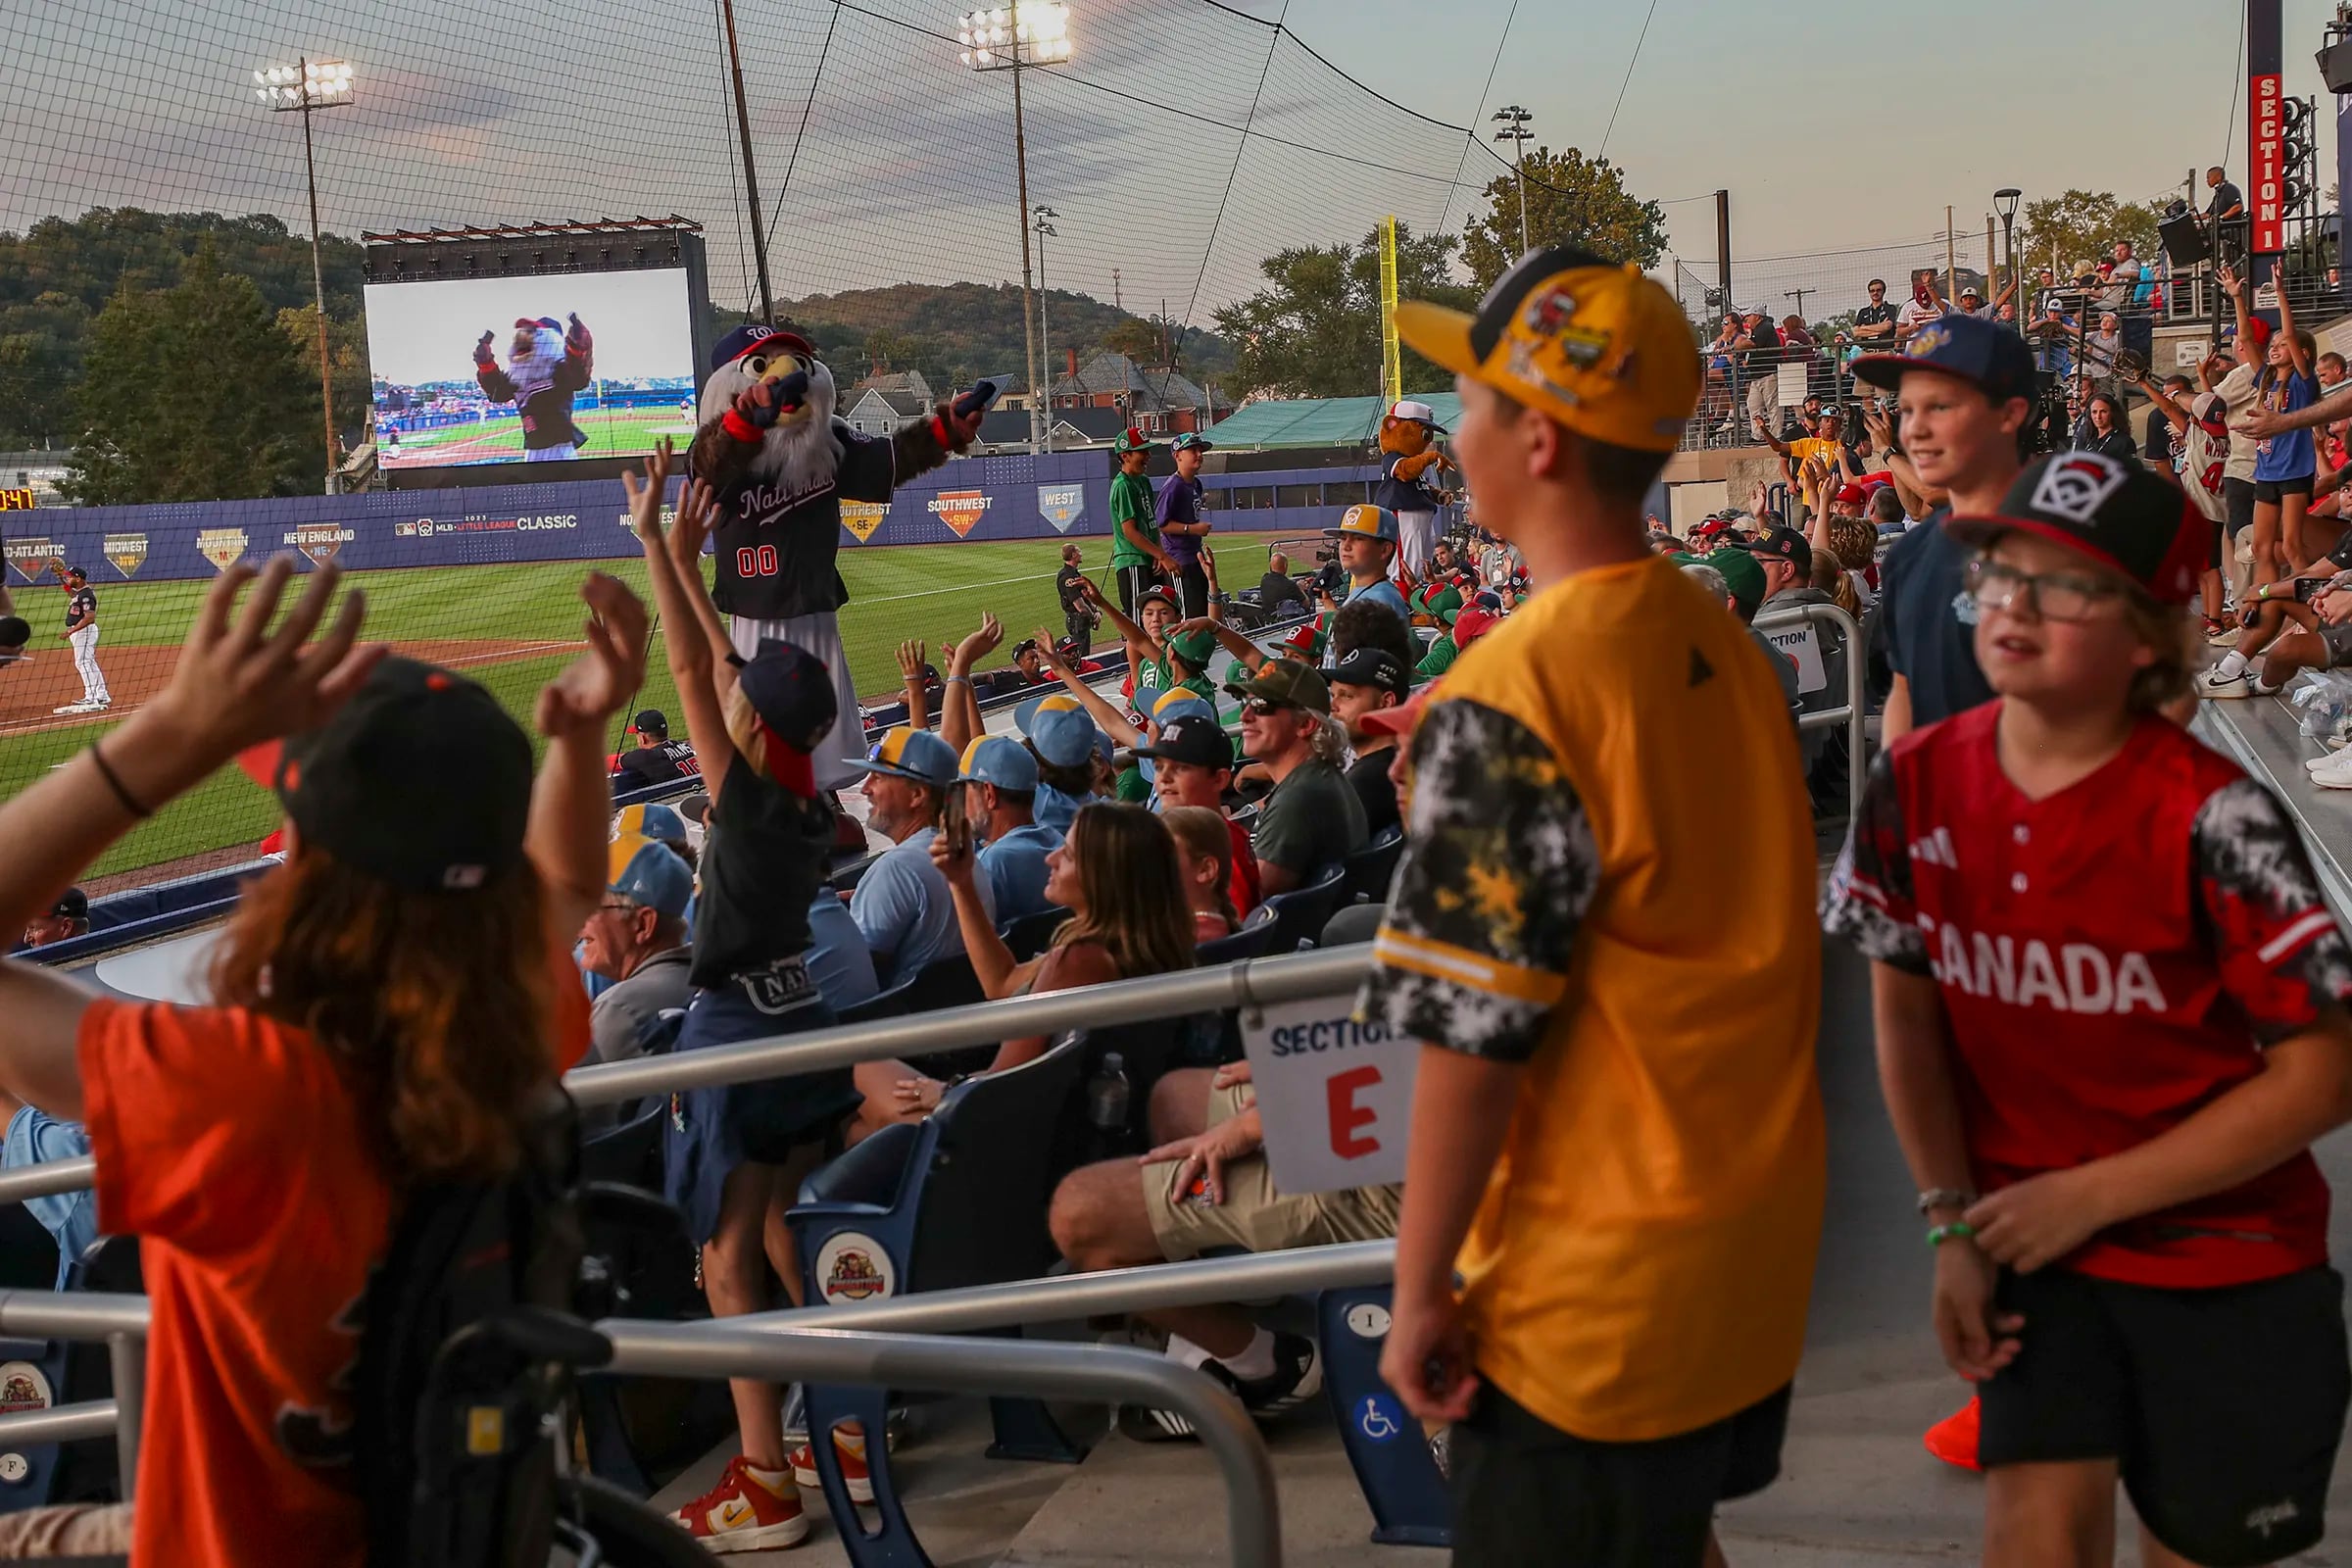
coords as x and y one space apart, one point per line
1499 867
2281 955
1870 899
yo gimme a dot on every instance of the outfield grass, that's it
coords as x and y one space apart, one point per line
609 432
934 592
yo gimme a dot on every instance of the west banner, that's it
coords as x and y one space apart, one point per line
1061 505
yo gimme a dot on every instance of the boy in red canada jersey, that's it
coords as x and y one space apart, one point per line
2110 1000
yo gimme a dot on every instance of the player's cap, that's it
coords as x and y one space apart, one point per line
1364 520
70 904
649 872
1418 413
1589 344
1191 738
1471 625
1189 441
754 337
998 760
1132 440
1401 720
15 631
1376 667
1784 544
1178 700
1290 681
914 754
370 786
652 722
1166 595
1988 357
694 807
76 574
1059 729
2119 515
1194 648
652 820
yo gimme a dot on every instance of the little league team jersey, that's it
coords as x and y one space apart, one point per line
1642 1261
2288 455
246 1163
1132 501
776 542
2112 960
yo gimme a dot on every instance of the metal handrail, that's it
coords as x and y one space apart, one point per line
59 1423
984 1366
1245 983
1853 714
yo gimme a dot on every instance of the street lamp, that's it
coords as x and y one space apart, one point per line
302 88
1044 226
1515 131
1016 38
2004 202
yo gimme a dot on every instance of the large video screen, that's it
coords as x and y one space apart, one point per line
530 370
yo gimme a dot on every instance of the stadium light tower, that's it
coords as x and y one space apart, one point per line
303 88
1044 226
1018 37
1514 122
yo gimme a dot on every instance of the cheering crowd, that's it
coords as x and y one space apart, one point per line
1616 1167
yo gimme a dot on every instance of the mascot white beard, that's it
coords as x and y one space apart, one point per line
532 361
797 452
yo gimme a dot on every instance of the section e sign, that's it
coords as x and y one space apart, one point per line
1336 1095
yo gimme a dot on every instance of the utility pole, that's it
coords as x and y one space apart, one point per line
1514 119
1045 227
1722 246
1798 295
1114 290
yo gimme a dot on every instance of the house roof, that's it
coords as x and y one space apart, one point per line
905 404
1116 372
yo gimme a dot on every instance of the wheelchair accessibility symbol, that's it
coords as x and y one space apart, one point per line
1380 1419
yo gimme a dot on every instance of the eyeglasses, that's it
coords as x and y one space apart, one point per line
1265 707
618 906
2062 595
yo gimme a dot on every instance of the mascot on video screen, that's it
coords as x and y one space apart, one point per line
545 365
782 464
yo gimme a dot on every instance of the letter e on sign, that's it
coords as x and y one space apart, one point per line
1349 1117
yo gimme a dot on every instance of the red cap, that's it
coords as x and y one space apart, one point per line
1851 495
1401 720
1472 623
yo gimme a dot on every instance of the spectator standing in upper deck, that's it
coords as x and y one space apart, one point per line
1182 528
2125 275
1077 609
1874 322
901 902
1311 821
1924 306
1759 362
1365 682
1137 557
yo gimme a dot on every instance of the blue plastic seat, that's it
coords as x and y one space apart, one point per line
1300 913
1371 868
1392 1458
1251 939
1027 935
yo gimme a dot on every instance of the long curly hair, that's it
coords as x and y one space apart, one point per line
434 1006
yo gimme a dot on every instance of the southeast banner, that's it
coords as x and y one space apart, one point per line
863 517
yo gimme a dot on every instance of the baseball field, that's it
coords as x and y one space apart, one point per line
611 432
510 627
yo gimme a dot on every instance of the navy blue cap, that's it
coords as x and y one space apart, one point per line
1984 354
750 336
792 691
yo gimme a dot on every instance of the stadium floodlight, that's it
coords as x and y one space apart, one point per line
301 89
1022 35
1514 122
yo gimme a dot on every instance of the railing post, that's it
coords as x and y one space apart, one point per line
127 1355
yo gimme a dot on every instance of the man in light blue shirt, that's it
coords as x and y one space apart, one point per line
1368 542
837 958
71 1218
902 905
999 778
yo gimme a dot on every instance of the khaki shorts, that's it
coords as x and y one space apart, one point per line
1253 1216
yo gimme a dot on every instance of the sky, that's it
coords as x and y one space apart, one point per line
1837 126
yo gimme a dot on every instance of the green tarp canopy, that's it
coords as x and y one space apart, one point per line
1320 421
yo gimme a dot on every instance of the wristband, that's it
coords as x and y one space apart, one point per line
741 428
1945 1198
1957 1231
954 680
106 771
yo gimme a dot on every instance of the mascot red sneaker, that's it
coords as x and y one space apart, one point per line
782 464
1408 460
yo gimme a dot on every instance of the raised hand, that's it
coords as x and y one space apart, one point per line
697 519
645 496
577 340
911 657
976 646
962 429
237 683
592 688
484 354
1049 652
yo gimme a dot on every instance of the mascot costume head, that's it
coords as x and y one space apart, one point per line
797 449
1409 430
533 355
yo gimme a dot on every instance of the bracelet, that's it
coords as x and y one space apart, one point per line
954 679
106 771
1957 1231
1945 1198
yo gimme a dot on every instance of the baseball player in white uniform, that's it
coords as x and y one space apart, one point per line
81 632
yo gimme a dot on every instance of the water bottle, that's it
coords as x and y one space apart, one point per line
1106 1095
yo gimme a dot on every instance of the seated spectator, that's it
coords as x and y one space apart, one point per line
67 917
1711 580
1191 762
1061 735
1311 821
1277 594
999 778
390 999
1364 682
637 939
1787 562
1206 1185
1118 875
1204 854
35 1138
900 904
1886 511
1369 623
837 956
1469 623
1368 538
655 759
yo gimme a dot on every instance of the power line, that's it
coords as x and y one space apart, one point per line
1470 136
1176 352
1628 82
793 161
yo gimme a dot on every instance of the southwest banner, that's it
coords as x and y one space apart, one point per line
1061 505
863 517
961 509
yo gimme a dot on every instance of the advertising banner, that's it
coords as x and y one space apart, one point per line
1061 505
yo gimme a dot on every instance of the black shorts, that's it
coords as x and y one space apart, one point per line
2237 501
1527 1494
2222 1408
2276 490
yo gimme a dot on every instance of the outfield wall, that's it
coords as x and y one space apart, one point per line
978 499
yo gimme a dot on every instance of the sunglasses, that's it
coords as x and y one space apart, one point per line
1265 707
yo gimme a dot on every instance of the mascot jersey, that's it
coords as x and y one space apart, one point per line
1407 491
543 372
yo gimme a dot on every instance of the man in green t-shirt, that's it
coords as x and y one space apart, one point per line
1136 554
1312 821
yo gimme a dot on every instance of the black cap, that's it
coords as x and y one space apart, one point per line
2119 515
1991 356
1193 738
653 721
372 786
15 631
1784 544
792 691
71 905
1369 666
1027 645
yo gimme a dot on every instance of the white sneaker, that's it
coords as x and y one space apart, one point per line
2214 684
2335 773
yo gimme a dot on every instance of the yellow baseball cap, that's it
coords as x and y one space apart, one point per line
1595 346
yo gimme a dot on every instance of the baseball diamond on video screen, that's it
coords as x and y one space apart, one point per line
542 369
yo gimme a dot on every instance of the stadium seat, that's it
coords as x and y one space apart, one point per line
1249 941
1358 923
1393 1465
1371 868
74 1373
1299 914
875 1223
1028 935
29 1262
